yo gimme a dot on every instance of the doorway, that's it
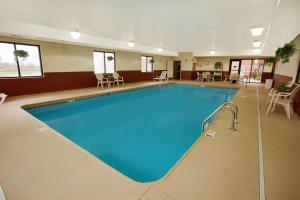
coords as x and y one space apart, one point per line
176 69
250 70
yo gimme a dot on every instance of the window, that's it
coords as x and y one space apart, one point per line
104 62
147 65
12 66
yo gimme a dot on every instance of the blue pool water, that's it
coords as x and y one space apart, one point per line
141 133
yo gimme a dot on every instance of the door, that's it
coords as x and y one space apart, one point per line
235 66
249 69
177 69
245 70
257 70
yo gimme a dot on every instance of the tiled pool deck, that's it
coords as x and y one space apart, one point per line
40 164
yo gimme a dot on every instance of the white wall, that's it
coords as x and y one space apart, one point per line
186 59
58 57
208 63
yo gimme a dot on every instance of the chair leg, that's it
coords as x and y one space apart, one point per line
268 100
287 109
269 108
123 83
274 104
292 110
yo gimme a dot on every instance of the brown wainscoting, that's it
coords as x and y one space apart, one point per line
137 76
266 75
187 75
52 81
56 81
281 78
297 103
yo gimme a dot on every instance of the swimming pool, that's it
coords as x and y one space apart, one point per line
141 133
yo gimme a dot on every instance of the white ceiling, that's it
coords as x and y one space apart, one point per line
174 25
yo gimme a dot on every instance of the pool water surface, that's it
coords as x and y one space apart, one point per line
141 133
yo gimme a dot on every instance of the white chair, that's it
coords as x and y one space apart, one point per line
234 77
227 77
274 91
118 79
207 76
102 81
162 77
2 97
2 196
199 77
284 99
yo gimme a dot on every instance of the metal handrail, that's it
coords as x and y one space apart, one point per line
233 110
235 107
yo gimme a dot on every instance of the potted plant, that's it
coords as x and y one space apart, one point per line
282 87
110 58
110 78
152 61
284 53
21 54
270 60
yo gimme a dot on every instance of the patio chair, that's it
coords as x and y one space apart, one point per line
2 97
227 77
118 79
284 99
162 77
102 81
208 77
235 77
2 196
274 91
199 77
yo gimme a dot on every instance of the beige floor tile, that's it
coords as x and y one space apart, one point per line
154 194
44 165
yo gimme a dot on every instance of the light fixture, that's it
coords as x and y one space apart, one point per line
131 44
160 50
257 31
212 52
256 44
257 51
75 35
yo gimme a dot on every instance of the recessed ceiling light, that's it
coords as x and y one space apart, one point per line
256 44
257 51
212 52
160 50
75 35
257 31
131 44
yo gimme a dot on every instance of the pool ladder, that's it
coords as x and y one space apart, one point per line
228 105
